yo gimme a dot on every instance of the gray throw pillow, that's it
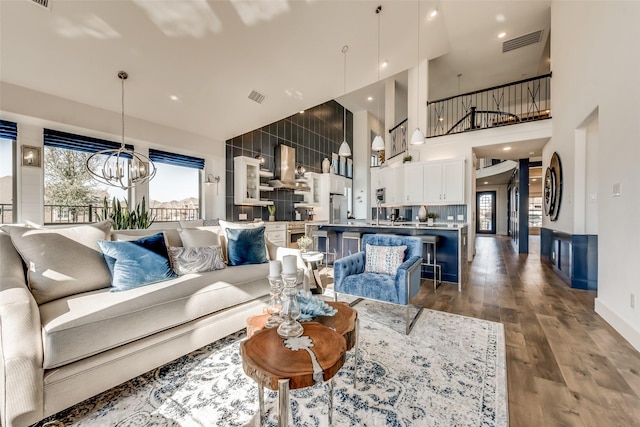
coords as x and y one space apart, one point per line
63 261
199 237
196 260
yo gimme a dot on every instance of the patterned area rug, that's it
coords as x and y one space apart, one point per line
450 371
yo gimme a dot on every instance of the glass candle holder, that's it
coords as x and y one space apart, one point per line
290 327
275 302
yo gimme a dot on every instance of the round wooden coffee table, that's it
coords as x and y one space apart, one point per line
267 360
345 322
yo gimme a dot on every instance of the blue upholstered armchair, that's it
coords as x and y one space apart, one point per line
351 278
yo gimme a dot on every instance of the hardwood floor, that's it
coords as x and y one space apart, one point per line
565 365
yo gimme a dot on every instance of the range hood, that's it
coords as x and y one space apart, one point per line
285 158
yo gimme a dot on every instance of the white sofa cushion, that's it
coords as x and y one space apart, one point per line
62 261
86 324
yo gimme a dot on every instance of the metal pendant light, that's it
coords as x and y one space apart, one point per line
345 150
378 142
109 166
417 137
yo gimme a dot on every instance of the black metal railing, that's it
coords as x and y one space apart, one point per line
175 214
6 213
517 102
67 214
398 139
71 214
485 162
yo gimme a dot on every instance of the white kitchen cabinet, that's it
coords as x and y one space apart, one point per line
276 232
311 197
414 184
247 183
444 182
434 183
392 180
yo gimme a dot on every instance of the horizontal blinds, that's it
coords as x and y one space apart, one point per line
8 129
70 141
175 159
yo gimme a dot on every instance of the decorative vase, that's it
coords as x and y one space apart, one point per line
275 302
429 221
422 214
290 327
272 217
326 165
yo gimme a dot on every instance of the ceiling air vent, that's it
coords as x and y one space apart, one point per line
522 41
43 3
256 96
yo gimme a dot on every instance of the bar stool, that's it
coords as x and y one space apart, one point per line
432 242
327 235
351 235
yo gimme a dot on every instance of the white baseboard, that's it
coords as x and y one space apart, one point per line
618 323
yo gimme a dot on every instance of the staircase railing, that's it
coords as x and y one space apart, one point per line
517 102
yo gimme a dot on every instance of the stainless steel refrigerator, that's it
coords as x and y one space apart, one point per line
337 209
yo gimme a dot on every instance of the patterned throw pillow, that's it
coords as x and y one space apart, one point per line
384 259
196 260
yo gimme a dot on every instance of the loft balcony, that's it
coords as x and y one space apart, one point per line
509 104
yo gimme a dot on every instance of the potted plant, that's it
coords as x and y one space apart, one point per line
304 243
272 212
407 158
124 218
430 217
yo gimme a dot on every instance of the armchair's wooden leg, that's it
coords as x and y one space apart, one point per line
410 325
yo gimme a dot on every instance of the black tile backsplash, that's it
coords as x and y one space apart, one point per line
315 134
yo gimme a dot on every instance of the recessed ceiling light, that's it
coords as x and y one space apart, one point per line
173 98
502 35
533 179
500 18
370 98
532 152
507 148
384 64
433 14
486 182
301 111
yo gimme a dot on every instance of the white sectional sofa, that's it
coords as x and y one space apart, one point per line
60 352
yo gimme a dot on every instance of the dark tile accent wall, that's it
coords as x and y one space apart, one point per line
315 134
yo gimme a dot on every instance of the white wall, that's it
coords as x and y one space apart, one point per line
462 144
34 111
502 216
596 66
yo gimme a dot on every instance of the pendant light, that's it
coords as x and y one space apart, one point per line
417 137
345 150
109 166
378 142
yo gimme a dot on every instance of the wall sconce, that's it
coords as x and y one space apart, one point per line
31 156
213 179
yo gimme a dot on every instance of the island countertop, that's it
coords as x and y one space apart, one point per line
451 246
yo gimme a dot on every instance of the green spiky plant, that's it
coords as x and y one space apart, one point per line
123 218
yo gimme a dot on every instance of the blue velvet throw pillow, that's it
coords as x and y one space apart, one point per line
246 246
138 262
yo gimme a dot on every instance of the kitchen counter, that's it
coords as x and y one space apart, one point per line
451 248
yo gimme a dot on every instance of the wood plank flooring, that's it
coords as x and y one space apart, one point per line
565 365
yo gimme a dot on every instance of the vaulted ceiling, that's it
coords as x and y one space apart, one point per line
209 55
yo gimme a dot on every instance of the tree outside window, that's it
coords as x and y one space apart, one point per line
70 194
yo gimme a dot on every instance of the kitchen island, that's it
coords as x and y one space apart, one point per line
451 248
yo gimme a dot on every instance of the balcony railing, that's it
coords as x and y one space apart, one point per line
63 214
521 101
